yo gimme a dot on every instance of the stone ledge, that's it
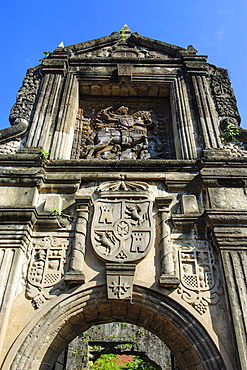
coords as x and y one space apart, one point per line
169 281
74 277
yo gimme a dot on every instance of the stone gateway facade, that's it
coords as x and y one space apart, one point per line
123 199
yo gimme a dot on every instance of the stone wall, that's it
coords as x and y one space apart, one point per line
115 338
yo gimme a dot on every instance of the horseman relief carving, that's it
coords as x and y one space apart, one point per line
118 135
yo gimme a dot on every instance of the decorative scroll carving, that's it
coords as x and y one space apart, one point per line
139 130
46 270
26 96
223 94
200 278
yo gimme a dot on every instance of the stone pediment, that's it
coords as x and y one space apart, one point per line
134 46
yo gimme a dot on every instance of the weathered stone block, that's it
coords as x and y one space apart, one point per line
53 203
189 204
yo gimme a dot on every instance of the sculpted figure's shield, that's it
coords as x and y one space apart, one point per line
122 229
126 121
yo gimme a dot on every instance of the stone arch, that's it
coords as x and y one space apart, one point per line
67 316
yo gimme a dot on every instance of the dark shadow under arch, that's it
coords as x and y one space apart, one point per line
40 343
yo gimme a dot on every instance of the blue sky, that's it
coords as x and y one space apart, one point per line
27 28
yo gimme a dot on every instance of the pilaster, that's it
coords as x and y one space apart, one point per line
227 217
208 120
76 275
185 145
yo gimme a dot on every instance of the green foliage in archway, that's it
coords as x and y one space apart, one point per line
106 362
139 364
111 362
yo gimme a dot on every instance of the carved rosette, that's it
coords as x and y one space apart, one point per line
200 278
122 232
46 270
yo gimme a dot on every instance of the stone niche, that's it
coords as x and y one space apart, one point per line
116 141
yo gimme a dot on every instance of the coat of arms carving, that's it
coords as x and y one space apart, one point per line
122 232
200 277
46 269
122 229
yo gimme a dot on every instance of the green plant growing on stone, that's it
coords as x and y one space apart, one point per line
122 32
140 332
43 155
55 211
46 54
126 346
230 133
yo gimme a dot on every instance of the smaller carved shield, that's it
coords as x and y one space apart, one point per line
47 262
196 270
122 229
126 121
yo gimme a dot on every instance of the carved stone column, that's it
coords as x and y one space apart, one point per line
168 276
76 275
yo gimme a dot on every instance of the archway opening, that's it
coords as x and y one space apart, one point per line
124 345
66 317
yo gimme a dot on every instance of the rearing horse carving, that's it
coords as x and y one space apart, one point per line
120 128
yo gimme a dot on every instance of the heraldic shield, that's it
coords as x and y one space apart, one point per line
197 270
122 229
47 262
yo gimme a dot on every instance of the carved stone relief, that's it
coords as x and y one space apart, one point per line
46 269
122 49
119 132
236 149
199 273
10 147
122 232
26 96
223 94
122 228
